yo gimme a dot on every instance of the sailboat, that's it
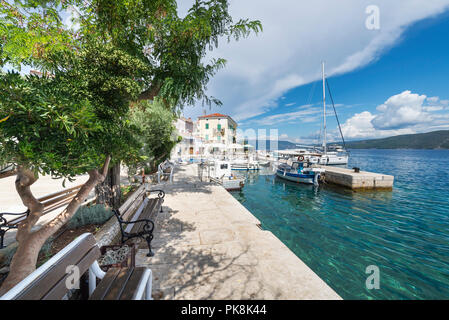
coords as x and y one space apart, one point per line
327 157
316 155
299 166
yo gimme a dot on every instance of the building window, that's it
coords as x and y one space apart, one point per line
219 126
207 126
219 138
207 137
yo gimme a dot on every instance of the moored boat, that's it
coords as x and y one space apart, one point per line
299 172
220 172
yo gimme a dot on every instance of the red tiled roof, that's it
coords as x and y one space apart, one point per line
215 115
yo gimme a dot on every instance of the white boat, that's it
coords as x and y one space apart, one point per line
318 155
220 172
330 158
299 172
244 164
263 163
243 161
313 156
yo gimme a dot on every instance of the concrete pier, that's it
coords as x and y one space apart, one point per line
362 180
208 246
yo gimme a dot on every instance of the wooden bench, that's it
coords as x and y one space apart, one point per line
51 202
165 169
137 214
61 274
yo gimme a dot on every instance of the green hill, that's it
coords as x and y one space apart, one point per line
430 140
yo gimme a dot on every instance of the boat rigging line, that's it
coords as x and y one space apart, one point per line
336 116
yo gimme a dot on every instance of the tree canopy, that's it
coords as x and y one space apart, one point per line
172 48
157 132
75 117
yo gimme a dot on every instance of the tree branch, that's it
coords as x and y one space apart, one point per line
95 178
150 93
25 178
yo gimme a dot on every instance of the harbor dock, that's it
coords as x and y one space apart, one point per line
208 246
362 180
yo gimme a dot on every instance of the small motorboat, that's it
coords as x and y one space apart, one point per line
245 165
263 163
220 172
300 172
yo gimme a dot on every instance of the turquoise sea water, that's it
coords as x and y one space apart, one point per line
338 233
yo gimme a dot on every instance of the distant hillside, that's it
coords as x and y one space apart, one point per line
430 140
282 145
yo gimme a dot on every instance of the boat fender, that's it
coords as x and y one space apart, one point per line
317 179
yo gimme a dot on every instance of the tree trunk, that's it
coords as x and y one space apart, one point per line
109 192
30 242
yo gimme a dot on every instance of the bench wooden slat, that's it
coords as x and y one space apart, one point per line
60 289
52 275
58 205
52 195
132 208
137 215
133 283
52 280
119 284
105 284
49 209
124 207
48 203
152 203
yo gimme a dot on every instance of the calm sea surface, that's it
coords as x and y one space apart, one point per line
338 233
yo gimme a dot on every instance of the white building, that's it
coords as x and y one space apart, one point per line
217 128
191 144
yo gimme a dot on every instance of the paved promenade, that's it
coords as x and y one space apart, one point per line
208 246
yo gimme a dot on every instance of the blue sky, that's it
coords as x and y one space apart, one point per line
418 63
387 81
384 82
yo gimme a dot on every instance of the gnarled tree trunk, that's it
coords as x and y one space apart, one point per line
108 192
30 242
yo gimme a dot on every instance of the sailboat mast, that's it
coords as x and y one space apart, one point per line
324 111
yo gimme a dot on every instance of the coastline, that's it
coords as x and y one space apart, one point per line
209 246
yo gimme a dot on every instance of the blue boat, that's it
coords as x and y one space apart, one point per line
299 172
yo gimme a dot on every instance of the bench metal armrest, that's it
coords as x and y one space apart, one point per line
14 214
94 273
148 226
145 287
160 195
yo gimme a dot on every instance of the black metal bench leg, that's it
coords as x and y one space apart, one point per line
148 239
2 236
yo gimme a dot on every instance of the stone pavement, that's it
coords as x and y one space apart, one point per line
208 246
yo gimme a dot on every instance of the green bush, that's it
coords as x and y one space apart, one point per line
97 214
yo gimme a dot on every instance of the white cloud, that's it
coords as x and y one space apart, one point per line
433 99
403 113
359 126
433 108
401 110
297 36
305 113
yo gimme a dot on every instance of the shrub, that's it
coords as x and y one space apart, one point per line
97 214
